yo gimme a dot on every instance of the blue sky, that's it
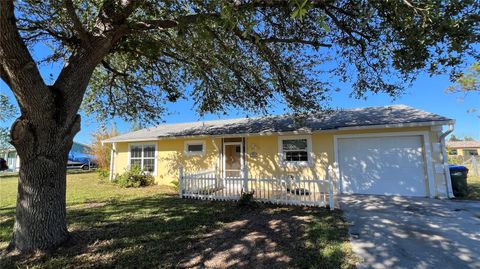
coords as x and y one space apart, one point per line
426 93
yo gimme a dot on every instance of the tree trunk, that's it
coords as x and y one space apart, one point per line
41 221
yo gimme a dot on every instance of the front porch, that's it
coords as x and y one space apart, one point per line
286 190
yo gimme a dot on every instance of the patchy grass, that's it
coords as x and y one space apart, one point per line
150 227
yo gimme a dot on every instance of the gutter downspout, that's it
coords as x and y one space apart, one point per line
446 170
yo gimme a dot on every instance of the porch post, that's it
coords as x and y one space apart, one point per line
330 175
217 178
245 177
180 181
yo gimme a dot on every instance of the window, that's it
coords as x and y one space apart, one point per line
295 150
194 147
143 156
452 152
470 152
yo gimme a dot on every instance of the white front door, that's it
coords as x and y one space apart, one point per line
392 165
233 159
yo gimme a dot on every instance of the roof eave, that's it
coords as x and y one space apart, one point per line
399 125
360 127
129 140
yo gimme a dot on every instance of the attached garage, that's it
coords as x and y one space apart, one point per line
384 164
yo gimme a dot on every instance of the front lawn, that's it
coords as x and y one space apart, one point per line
151 227
473 183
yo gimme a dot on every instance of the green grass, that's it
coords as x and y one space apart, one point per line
473 187
151 227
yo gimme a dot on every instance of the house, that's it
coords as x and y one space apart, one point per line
463 148
78 152
391 150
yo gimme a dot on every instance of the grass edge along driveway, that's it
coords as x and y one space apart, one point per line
116 227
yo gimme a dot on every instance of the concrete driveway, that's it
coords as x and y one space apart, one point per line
404 232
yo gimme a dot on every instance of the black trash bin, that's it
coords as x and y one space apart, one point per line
3 164
458 174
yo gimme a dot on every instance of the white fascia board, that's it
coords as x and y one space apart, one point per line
398 125
300 132
130 140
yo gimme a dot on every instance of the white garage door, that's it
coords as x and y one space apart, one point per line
382 165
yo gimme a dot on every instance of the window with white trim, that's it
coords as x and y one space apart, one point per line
143 156
194 147
295 150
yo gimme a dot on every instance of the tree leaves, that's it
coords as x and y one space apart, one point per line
7 110
468 81
4 138
301 9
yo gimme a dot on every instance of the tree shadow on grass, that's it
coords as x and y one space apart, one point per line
165 231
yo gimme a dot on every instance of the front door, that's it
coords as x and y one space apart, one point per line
232 159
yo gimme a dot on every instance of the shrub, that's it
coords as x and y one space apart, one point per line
135 177
246 200
101 151
103 174
458 160
176 185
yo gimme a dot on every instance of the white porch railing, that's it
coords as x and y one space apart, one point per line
285 190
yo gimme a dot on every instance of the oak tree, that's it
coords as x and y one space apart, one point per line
129 58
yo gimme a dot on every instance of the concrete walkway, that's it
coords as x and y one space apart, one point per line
401 232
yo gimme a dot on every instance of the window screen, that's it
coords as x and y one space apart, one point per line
143 156
295 150
195 148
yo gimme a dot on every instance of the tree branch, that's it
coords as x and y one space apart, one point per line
4 76
294 40
166 23
253 38
347 30
113 70
17 66
153 24
77 24
109 28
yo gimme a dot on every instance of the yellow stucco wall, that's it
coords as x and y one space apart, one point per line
170 153
262 156
465 151
265 160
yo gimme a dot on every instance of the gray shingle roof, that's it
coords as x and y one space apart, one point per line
397 114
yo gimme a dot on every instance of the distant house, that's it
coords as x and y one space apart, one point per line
463 148
78 153
393 150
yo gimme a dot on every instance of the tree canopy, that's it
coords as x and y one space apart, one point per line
454 138
249 54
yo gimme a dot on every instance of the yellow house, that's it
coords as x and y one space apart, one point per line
463 148
392 150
